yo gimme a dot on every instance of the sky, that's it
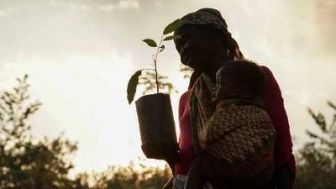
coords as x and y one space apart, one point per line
79 55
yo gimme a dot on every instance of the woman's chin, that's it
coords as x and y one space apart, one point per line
188 63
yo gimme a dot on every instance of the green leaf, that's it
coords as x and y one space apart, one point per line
168 38
172 26
171 37
162 48
132 85
150 42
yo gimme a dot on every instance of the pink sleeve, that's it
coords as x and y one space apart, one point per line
274 105
185 154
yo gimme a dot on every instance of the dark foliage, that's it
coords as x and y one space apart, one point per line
317 159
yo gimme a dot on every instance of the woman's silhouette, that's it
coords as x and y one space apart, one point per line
204 44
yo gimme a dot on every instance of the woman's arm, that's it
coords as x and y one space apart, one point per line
185 153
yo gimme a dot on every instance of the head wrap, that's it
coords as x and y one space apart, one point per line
205 16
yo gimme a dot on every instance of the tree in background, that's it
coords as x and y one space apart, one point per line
148 82
28 163
317 159
186 71
24 161
129 177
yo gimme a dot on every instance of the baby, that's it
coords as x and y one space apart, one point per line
238 140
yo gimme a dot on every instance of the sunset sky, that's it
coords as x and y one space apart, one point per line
79 55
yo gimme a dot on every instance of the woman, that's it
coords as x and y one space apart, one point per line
204 45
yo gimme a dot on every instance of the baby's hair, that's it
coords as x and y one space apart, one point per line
246 77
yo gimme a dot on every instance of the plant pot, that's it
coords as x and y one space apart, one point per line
157 127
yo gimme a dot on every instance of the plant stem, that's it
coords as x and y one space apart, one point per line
155 65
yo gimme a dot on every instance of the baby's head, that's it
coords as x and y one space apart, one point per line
239 79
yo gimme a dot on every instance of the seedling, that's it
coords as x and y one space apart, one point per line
167 35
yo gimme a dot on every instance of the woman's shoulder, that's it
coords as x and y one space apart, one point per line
268 74
265 69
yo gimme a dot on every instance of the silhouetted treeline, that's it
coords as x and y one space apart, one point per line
28 163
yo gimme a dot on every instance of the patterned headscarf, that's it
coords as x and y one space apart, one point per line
205 16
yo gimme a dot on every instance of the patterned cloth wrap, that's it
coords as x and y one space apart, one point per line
239 133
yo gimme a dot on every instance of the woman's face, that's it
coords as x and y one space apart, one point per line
198 45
